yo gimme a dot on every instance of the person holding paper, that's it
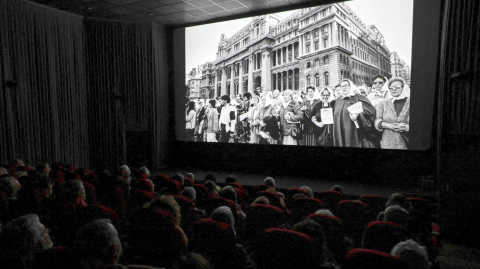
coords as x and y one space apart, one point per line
393 115
322 118
312 98
353 129
253 113
290 115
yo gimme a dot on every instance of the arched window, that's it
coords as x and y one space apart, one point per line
325 78
308 80
317 80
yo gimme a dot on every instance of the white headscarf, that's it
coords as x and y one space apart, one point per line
330 99
383 91
268 100
405 92
353 89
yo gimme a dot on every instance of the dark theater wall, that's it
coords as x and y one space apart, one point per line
43 90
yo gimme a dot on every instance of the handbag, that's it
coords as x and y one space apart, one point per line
325 139
297 132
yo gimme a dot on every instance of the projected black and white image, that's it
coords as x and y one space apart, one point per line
335 75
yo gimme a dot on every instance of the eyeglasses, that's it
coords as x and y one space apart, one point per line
325 95
396 87
378 82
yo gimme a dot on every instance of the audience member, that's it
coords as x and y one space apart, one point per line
412 253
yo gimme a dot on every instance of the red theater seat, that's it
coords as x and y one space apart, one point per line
360 258
384 235
281 248
330 198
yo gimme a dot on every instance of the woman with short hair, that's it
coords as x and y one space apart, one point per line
312 98
212 121
190 120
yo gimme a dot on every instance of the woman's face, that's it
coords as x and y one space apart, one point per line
287 97
345 87
396 88
264 100
378 84
310 93
255 101
325 95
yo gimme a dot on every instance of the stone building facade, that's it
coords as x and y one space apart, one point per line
316 46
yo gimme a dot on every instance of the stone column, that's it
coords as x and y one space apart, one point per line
250 74
215 89
224 81
232 81
266 71
240 78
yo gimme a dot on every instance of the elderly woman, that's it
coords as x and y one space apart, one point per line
253 114
312 98
379 90
212 121
393 115
266 111
290 115
323 131
21 239
353 129
190 120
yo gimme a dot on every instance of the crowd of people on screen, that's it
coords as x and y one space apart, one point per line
59 216
348 116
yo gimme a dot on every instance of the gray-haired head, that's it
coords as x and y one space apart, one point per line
225 215
229 193
309 190
190 193
269 181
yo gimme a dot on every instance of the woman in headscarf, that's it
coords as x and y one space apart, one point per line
290 113
323 132
312 98
267 111
353 129
191 118
253 114
379 90
212 121
393 115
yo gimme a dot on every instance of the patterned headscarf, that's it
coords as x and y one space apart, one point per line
405 92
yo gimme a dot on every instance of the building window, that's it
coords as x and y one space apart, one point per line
325 78
317 80
290 53
284 52
315 33
308 80
317 47
284 75
290 79
295 49
325 59
279 56
296 75
325 41
308 66
317 62
308 48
